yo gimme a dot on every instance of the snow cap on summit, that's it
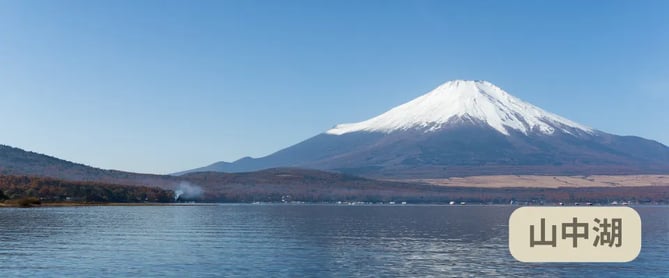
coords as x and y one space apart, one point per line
476 101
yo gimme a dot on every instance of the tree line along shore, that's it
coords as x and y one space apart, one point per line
24 191
30 191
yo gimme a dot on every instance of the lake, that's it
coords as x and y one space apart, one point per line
289 241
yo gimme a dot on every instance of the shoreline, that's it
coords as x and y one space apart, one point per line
435 195
83 204
342 204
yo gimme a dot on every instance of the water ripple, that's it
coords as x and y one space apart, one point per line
288 241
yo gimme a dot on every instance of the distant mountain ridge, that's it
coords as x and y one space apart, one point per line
465 128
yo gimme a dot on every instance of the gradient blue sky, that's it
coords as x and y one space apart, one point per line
164 86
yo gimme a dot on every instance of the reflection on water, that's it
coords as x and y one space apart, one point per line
288 240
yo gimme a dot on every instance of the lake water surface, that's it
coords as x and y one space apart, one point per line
289 240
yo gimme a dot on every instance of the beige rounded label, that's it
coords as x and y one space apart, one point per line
575 234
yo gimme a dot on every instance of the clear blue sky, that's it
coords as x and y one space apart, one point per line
164 86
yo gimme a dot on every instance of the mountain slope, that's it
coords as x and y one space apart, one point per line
290 184
15 161
465 128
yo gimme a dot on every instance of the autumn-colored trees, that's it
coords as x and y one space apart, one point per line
46 189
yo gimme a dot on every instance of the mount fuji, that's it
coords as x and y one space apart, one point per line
465 128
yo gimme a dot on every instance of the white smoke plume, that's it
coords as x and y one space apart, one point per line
187 191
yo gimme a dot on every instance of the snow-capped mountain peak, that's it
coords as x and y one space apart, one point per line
476 101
